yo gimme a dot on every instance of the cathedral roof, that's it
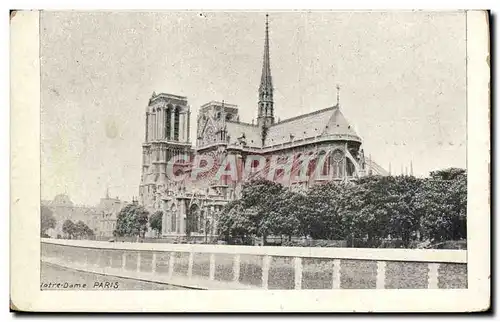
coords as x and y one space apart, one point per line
337 124
251 133
328 121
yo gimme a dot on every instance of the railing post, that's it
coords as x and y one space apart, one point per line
336 274
171 261
266 262
98 259
124 261
153 263
212 267
190 265
87 262
433 277
298 272
381 274
236 268
138 262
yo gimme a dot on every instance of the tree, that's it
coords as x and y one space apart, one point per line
47 220
224 223
380 206
448 174
88 232
69 229
283 217
132 220
81 230
374 202
235 222
155 222
321 211
442 204
259 199
368 210
404 219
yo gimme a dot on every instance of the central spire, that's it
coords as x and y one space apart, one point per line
266 80
266 108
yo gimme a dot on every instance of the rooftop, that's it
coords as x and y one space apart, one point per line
217 103
166 95
328 121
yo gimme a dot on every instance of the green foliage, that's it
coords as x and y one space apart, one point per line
259 199
283 218
69 229
76 231
132 220
235 222
448 174
82 230
442 204
379 207
322 211
47 220
155 222
403 218
366 212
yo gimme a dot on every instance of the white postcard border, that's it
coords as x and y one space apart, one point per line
25 206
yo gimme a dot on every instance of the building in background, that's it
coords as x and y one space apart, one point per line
63 209
101 218
190 208
107 214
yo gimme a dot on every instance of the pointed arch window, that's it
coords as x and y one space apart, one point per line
202 222
176 123
158 124
338 164
173 219
147 126
193 224
323 163
168 116
153 125
350 168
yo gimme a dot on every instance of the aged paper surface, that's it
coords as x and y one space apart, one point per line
73 124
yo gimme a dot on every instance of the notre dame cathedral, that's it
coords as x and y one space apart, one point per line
190 207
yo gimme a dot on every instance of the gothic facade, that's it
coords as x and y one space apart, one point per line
190 206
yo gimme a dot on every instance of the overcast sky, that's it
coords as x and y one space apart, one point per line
402 78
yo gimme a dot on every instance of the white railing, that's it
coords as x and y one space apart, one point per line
383 259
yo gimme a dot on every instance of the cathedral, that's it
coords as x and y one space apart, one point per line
298 152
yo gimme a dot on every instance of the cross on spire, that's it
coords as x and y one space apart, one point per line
338 94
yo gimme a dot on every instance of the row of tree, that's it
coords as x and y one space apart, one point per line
71 230
372 209
78 230
133 220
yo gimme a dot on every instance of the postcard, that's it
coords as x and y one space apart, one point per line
250 161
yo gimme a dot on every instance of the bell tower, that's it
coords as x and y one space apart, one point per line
166 136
